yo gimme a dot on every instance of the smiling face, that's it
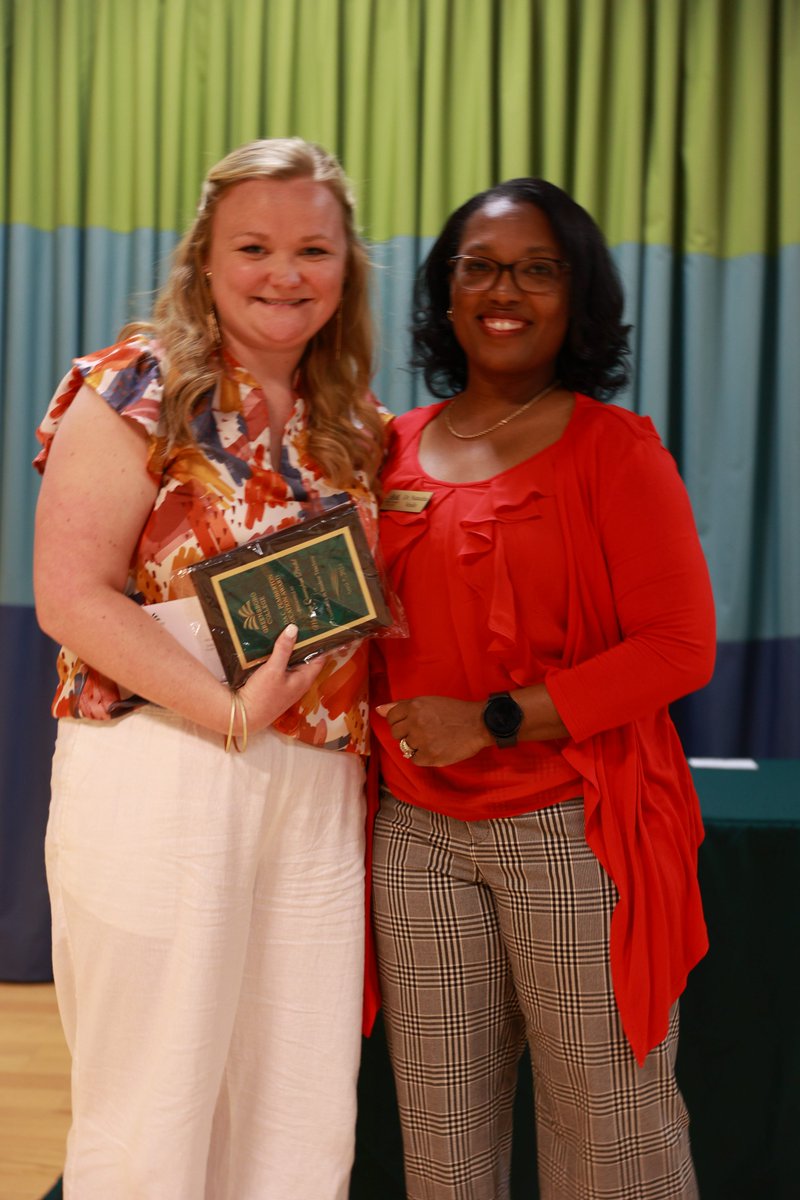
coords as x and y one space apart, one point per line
277 259
504 331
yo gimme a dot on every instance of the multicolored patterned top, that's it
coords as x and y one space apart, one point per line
214 494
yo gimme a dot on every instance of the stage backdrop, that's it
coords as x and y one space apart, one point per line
673 121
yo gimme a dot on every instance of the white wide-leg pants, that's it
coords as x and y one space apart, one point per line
208 951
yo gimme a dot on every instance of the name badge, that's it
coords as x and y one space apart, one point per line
399 501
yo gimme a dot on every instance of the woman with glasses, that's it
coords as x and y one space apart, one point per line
535 847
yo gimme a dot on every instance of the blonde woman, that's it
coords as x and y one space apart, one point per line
208 906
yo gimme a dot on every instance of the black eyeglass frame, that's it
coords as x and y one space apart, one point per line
500 268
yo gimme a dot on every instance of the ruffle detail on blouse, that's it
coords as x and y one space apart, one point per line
400 531
482 556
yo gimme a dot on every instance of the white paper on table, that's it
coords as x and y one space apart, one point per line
725 764
185 621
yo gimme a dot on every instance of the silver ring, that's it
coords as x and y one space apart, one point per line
406 750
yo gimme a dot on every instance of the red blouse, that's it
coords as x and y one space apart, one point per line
581 567
482 574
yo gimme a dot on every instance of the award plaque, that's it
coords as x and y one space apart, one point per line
318 574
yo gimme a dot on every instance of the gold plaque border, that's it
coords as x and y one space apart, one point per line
258 564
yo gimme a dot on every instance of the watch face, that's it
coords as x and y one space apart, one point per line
502 716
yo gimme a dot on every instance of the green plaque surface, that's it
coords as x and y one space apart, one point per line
318 574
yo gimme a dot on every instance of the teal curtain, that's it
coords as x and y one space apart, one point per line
673 121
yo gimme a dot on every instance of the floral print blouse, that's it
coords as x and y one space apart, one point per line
214 494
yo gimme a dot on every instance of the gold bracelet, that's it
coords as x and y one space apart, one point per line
230 738
240 705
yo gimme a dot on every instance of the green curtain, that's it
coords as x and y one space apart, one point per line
674 122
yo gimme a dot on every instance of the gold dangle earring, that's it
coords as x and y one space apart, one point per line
212 323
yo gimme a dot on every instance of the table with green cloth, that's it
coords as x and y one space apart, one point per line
739 1056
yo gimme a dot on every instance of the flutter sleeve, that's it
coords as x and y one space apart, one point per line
128 377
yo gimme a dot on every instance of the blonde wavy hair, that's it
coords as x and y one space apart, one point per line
345 430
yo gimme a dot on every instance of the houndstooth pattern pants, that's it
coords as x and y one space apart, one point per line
491 933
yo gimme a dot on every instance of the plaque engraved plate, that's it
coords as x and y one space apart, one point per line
318 574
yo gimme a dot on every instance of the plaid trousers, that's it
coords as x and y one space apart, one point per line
491 933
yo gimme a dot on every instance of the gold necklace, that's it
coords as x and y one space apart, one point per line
466 437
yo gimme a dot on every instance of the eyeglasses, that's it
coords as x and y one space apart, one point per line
477 274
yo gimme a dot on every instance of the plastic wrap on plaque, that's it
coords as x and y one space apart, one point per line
318 573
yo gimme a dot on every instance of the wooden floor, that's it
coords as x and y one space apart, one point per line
34 1091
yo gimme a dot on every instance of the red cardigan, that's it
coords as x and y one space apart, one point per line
638 637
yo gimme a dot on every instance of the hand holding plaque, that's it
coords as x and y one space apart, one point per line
318 573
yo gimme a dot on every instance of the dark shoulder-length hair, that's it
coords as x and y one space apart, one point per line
593 358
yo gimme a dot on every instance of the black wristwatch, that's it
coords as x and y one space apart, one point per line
502 716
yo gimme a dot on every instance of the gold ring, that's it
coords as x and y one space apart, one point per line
406 750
